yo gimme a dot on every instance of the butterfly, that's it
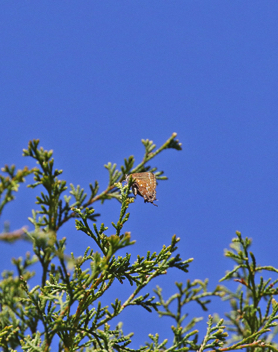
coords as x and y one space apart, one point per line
144 184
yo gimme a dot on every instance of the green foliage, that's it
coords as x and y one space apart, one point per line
246 320
67 304
10 183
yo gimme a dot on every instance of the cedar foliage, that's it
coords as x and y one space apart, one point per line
67 304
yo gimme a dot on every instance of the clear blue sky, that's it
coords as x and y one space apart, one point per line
91 79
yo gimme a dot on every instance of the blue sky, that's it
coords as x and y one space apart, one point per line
91 79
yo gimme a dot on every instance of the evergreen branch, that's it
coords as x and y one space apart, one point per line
116 176
11 237
10 183
149 147
69 304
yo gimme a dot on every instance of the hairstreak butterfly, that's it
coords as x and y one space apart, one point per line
144 184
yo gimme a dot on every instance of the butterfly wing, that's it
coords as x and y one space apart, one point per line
144 184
